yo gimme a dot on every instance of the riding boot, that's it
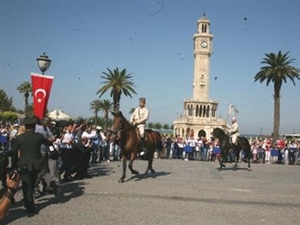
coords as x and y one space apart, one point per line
144 149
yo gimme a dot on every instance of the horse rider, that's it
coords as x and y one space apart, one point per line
233 132
139 118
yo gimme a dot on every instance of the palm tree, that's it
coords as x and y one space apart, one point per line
131 110
277 69
25 88
105 106
95 107
120 83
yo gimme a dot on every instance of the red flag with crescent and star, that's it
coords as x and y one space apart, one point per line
41 88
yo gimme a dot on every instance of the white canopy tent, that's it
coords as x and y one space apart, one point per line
58 115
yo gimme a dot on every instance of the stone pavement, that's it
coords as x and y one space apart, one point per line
179 193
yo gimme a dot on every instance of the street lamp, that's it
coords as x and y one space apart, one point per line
43 62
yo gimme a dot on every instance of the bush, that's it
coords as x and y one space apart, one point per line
8 116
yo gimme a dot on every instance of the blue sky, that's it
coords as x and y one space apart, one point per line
153 40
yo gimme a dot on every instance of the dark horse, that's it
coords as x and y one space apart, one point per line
129 142
242 143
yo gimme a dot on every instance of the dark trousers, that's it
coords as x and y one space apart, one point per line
168 147
106 152
28 183
82 164
67 162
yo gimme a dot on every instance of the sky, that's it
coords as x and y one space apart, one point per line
153 40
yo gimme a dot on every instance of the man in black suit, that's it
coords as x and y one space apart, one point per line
82 151
28 157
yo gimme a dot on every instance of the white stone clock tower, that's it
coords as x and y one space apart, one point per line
202 52
199 115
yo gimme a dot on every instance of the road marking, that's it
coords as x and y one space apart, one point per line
241 190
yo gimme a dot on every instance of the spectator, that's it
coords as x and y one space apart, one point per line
267 147
46 178
168 146
82 150
4 132
67 142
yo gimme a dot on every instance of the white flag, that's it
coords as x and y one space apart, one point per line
235 111
232 110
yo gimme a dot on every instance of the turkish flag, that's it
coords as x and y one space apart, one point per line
41 87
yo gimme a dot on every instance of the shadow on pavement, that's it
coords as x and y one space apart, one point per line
140 177
67 191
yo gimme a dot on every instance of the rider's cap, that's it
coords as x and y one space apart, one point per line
30 120
142 100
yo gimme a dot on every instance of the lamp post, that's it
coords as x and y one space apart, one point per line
43 62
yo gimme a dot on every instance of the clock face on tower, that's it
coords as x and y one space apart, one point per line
204 44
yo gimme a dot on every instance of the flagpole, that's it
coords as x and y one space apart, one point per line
228 113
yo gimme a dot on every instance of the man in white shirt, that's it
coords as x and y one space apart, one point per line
139 118
233 132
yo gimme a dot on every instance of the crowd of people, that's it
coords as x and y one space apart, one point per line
207 149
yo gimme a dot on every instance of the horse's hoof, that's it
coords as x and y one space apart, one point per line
121 180
249 169
135 172
223 165
153 171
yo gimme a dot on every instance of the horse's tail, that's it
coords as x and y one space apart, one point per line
159 144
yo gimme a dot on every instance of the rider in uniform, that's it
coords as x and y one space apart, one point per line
139 118
233 132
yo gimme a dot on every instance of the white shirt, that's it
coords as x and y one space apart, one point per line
140 116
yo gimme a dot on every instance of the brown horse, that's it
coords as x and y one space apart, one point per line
129 142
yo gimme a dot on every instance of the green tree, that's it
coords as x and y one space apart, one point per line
95 107
25 88
105 106
277 69
157 126
131 110
118 82
150 125
5 102
166 126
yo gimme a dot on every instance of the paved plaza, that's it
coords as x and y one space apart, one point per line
180 192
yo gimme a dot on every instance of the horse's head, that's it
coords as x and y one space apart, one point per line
119 121
218 132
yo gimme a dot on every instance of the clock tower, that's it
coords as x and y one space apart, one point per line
199 116
202 52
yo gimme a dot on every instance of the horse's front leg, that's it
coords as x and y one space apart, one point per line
130 165
150 163
220 159
124 162
249 159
